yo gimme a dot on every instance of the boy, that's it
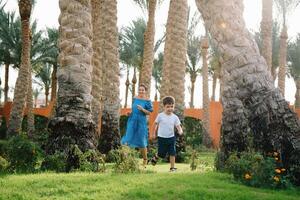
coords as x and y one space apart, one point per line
164 126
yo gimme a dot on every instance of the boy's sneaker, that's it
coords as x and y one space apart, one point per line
173 169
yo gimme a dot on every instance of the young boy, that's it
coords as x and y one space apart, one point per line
165 123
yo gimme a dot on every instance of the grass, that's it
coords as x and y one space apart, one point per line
155 183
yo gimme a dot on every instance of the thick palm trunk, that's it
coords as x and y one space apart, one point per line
96 62
72 123
250 100
297 95
110 131
174 58
29 104
282 60
206 139
266 31
16 115
54 83
146 71
6 82
193 80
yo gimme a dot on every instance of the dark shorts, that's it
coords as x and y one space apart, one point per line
166 145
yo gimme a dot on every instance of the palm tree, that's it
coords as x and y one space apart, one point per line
266 31
36 93
110 132
284 6
98 31
174 64
72 123
193 59
157 72
29 105
16 114
145 73
206 113
250 100
294 66
44 76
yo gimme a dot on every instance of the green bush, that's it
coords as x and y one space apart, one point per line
22 154
90 160
3 164
254 169
125 160
123 124
55 162
193 132
3 128
220 161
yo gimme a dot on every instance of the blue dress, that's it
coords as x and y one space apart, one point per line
137 129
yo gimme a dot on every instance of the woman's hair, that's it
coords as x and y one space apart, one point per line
144 86
168 100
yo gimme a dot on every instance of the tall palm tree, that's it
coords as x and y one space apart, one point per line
284 6
266 31
250 100
16 114
157 73
206 112
174 66
110 132
36 93
44 76
193 61
145 74
29 105
98 30
72 123
294 66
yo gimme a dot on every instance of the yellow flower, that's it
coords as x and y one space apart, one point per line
276 178
283 170
276 158
278 171
247 176
275 154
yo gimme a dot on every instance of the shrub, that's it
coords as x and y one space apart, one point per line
3 164
90 160
125 160
22 154
220 161
193 132
55 162
194 160
254 169
3 128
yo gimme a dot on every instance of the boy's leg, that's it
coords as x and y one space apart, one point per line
172 162
172 153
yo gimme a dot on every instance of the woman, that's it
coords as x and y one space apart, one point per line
137 130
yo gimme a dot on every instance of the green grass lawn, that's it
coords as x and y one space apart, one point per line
154 183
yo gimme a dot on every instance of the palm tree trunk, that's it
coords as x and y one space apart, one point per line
127 88
72 123
282 60
29 104
46 96
96 62
110 131
250 100
193 80
21 86
175 57
6 82
297 95
133 81
266 31
214 85
206 139
146 71
54 83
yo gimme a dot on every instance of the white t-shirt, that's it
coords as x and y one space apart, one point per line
166 124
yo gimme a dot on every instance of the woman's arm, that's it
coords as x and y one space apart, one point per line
143 110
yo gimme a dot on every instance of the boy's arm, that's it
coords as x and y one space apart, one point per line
179 129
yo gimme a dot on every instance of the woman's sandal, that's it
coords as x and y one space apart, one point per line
153 160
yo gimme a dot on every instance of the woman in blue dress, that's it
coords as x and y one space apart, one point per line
136 135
